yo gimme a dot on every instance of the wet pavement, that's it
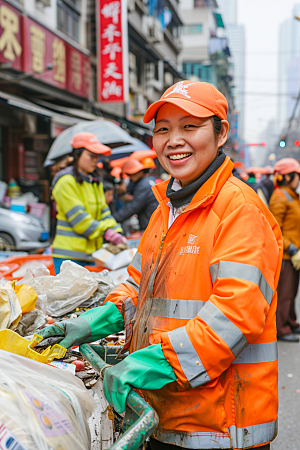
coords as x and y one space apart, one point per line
289 394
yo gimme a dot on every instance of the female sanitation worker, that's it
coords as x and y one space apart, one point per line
199 304
83 217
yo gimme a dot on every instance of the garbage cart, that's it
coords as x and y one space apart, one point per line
143 419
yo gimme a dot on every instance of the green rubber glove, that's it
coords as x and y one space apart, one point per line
143 369
94 324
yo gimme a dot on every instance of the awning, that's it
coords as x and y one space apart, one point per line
27 106
219 20
168 66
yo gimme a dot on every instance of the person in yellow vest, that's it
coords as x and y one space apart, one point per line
83 218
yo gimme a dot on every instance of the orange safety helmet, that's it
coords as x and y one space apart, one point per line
90 142
148 163
132 166
286 165
116 172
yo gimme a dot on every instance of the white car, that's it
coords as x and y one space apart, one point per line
19 231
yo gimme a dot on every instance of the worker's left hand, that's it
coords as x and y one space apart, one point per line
296 260
114 237
143 369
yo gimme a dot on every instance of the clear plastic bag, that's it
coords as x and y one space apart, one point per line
44 408
65 291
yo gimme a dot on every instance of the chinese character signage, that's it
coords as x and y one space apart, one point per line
112 51
10 36
30 47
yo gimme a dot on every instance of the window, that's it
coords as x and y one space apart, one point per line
68 16
192 29
199 3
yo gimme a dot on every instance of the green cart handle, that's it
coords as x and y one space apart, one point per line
136 435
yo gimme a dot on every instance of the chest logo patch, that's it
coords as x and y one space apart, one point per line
193 249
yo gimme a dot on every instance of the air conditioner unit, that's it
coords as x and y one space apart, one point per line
132 61
152 28
133 85
140 104
45 3
131 5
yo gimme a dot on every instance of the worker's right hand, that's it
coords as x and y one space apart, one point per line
94 324
75 332
296 260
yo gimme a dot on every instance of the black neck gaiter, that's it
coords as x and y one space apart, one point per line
185 195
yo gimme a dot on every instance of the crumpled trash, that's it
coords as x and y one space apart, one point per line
31 322
31 278
10 309
74 286
26 296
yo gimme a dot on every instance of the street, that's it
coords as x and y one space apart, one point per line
289 395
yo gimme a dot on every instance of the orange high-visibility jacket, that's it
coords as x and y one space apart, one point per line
206 291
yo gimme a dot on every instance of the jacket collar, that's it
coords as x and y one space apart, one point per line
290 191
205 195
70 171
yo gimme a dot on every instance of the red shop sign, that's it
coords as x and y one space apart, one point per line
79 72
112 51
11 48
45 54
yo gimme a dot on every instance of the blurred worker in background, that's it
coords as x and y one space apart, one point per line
285 207
108 192
83 217
142 200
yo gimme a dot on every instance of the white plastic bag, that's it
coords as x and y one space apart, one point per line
65 291
107 259
10 309
43 408
32 278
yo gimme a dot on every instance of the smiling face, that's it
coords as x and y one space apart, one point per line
185 145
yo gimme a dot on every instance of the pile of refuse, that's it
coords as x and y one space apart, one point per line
47 406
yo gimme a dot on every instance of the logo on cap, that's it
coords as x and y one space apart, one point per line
180 88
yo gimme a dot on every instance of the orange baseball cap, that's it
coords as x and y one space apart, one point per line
132 166
197 98
148 163
286 165
90 142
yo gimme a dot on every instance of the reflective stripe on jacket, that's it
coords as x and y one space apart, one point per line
285 206
206 291
82 217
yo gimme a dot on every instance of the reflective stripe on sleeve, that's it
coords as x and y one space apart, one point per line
129 309
254 435
258 353
104 210
176 309
74 210
63 223
109 216
224 328
137 262
246 272
71 254
203 440
188 358
68 233
236 438
78 219
133 284
93 227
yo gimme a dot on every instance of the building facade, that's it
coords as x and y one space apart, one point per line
49 72
205 54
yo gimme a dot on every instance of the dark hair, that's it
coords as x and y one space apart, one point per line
283 181
76 154
217 125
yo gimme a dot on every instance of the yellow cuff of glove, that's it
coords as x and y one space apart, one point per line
296 260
